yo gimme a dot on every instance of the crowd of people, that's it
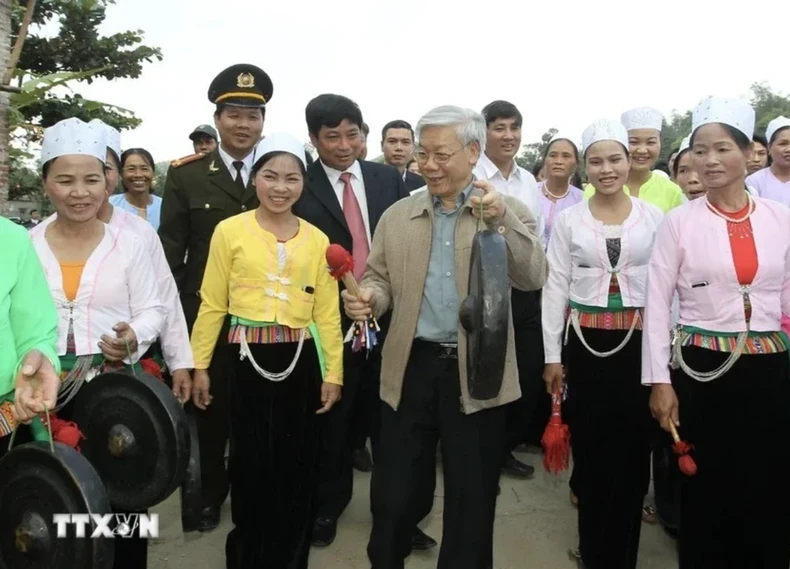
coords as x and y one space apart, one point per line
649 303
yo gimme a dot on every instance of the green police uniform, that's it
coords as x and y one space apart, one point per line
200 192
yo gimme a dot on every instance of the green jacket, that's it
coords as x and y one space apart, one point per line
28 319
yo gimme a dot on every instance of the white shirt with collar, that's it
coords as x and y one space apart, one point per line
248 161
357 183
521 185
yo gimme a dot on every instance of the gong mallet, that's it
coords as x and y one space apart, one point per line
341 266
682 449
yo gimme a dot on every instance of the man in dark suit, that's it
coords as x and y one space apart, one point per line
397 144
345 198
201 190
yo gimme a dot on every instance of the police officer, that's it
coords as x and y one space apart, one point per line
201 190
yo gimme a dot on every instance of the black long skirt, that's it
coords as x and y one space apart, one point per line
610 424
274 445
735 513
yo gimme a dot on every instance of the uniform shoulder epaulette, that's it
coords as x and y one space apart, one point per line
187 159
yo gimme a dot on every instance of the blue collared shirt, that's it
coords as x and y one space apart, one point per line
438 319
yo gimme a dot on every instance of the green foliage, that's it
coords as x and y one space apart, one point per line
80 50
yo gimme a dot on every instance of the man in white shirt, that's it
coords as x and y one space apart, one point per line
498 166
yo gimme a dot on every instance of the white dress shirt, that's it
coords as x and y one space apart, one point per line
118 284
248 161
521 185
580 269
357 183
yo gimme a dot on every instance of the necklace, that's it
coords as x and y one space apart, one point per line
549 195
727 218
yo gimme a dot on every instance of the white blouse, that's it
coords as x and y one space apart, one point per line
580 270
118 284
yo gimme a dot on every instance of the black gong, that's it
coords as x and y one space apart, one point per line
36 484
136 436
484 315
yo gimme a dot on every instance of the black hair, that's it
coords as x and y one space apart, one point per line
676 162
32 211
129 152
48 164
663 166
576 180
396 124
761 139
501 110
309 158
777 131
741 140
261 162
222 106
329 111
537 168
575 150
365 129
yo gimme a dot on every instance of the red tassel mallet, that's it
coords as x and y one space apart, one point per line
556 439
65 432
341 266
682 449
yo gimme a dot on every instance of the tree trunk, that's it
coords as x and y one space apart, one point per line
5 52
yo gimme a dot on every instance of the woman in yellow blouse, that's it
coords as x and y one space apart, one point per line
267 271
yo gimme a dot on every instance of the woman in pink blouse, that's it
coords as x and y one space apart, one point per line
728 257
774 182
560 162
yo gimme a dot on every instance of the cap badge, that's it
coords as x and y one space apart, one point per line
245 81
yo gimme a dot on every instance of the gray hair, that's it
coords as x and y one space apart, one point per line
470 126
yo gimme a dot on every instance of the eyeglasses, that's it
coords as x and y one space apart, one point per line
439 157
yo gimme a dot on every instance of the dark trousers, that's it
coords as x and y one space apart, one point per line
213 423
275 440
336 481
528 336
610 429
366 413
472 447
735 513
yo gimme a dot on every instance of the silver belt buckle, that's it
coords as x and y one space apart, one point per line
449 351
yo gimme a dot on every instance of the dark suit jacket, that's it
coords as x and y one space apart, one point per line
413 181
199 193
319 205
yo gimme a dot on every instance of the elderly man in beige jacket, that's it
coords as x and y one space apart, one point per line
419 266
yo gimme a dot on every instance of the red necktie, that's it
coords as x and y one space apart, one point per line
356 225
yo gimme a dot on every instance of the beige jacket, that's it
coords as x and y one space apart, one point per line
396 271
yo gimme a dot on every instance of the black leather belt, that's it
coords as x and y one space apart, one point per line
442 350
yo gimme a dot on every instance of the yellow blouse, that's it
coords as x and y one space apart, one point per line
242 278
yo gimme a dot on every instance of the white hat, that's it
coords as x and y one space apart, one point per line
72 136
563 136
774 125
604 129
736 113
280 142
642 117
113 136
684 144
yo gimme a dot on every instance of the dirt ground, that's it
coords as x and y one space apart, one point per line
535 528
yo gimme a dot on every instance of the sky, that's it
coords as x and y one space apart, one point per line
564 63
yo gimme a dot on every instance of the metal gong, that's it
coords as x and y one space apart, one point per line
36 484
484 315
191 487
136 436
